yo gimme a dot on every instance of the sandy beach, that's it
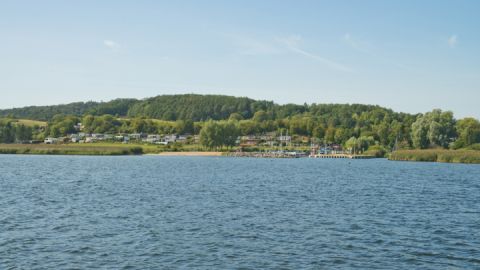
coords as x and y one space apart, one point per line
203 154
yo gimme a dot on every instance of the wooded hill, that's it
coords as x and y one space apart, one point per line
188 107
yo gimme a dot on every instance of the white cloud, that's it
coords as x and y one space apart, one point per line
251 46
452 41
292 43
112 45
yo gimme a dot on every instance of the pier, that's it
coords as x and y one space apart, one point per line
272 154
349 156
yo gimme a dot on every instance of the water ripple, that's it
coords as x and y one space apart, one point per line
63 212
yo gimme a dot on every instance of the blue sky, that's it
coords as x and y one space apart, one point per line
411 56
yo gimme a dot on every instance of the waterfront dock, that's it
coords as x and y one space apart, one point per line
272 154
349 156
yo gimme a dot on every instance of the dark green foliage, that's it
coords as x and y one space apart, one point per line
61 125
23 133
7 133
235 116
468 130
185 127
194 107
434 129
46 113
11 132
101 124
118 107
215 134
376 151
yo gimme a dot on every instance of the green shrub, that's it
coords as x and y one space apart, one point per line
474 147
376 150
136 150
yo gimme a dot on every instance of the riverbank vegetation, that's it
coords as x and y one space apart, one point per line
437 155
70 149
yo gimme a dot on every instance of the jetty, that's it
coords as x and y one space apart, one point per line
269 154
349 156
335 151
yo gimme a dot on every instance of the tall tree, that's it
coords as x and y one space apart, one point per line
468 130
435 128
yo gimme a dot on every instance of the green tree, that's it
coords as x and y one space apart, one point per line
230 133
215 134
260 116
185 127
210 135
330 134
352 145
359 144
7 132
235 116
61 125
435 128
468 130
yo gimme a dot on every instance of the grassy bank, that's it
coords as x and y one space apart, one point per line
100 148
117 148
192 154
69 149
437 155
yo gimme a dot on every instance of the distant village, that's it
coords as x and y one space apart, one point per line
270 140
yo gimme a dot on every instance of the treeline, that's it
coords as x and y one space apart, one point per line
353 125
46 113
166 107
188 107
196 107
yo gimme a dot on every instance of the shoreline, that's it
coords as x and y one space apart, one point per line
463 156
187 154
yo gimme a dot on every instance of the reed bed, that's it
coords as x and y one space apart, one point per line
68 149
437 155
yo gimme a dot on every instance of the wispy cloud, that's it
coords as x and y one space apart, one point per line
251 46
112 45
349 40
357 45
367 49
292 43
452 41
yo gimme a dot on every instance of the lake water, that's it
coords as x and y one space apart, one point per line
150 212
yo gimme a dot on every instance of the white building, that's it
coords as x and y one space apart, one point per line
50 140
152 138
135 136
182 138
170 138
75 138
90 139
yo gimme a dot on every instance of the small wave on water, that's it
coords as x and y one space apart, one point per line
149 212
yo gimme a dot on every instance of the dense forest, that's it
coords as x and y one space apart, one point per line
228 117
186 107
167 107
